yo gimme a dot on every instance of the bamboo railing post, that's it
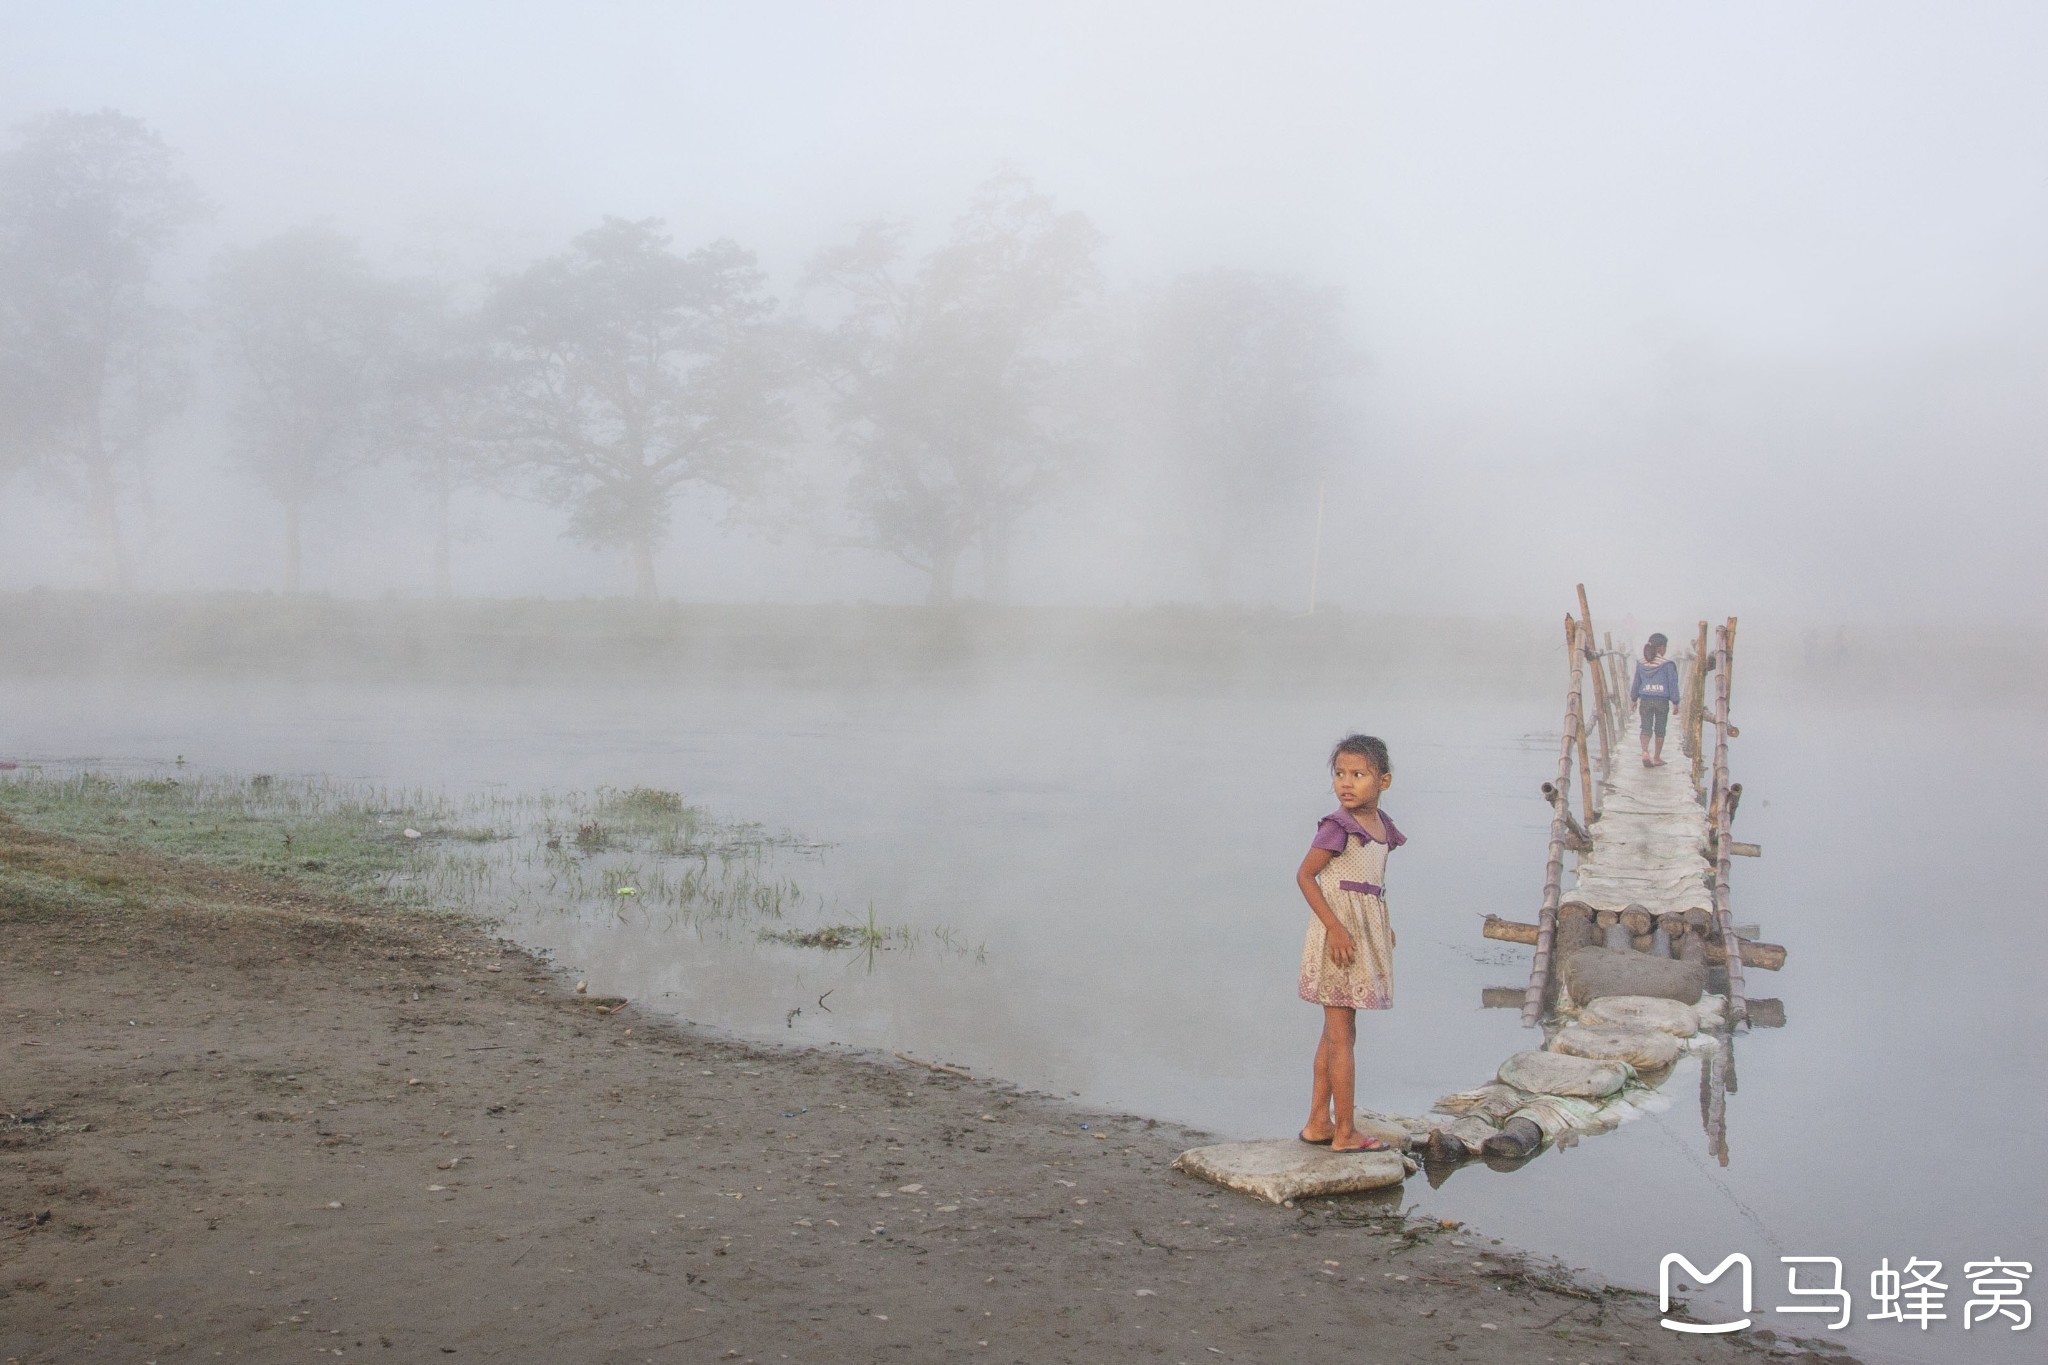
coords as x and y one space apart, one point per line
1607 741
1696 706
1719 810
1617 687
1728 656
1585 769
1560 813
1600 690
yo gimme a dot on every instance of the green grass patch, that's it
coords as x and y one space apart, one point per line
37 898
341 840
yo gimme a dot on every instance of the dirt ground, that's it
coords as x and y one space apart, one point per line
239 1121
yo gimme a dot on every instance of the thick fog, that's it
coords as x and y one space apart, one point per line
1731 307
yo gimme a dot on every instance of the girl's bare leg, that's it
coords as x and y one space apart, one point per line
1320 1126
1340 1035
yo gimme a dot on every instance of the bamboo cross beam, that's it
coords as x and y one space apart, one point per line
1560 813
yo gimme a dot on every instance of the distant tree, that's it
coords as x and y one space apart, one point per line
445 414
1248 399
312 331
632 372
949 376
89 361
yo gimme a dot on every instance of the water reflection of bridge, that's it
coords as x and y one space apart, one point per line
1647 917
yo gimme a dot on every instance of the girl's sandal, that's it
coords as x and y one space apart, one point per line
1313 1142
1371 1144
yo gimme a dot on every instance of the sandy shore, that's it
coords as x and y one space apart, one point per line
246 1122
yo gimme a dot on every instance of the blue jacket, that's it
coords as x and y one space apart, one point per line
1655 682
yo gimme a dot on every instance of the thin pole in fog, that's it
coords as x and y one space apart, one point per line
1315 563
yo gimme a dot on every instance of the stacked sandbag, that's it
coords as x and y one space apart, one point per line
1555 1073
1396 1130
1558 1115
1713 1013
1642 1012
1492 1102
1456 1139
1463 1121
1644 1049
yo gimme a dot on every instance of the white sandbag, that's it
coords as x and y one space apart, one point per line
1472 1131
1280 1169
1492 1102
1643 1049
1396 1130
1555 1073
1644 1012
1558 1115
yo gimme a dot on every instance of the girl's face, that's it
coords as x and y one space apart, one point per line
1357 783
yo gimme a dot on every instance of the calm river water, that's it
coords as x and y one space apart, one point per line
1125 863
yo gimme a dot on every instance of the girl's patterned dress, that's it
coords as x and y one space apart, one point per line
1353 885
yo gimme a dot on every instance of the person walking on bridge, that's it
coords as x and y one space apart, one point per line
1653 691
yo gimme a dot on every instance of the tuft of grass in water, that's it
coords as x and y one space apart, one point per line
830 936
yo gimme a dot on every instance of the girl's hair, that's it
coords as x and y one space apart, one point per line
1367 747
1653 646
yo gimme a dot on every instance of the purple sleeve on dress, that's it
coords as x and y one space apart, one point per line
1330 836
1395 838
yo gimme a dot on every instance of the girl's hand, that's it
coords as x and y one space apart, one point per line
1340 947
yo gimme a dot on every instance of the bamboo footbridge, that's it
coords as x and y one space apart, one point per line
1640 960
1638 963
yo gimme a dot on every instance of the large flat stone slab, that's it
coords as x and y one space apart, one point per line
1280 1169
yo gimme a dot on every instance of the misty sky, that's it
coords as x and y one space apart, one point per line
1720 307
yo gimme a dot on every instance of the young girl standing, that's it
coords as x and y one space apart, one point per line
1347 964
